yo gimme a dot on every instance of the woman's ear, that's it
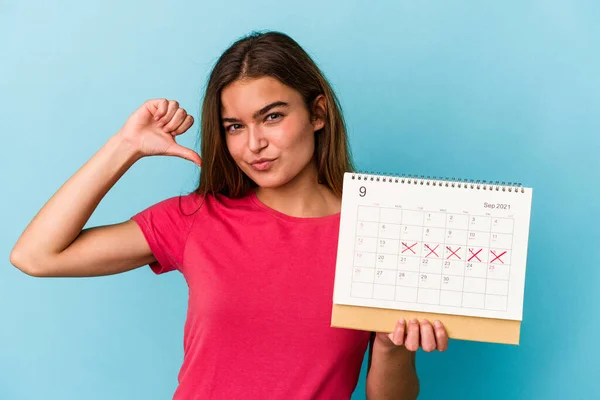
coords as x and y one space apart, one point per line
318 112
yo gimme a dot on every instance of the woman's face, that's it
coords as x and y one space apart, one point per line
268 130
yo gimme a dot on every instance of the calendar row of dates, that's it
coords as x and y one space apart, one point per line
475 270
448 258
385 215
470 284
429 296
438 235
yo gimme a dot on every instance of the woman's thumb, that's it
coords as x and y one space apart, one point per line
183 152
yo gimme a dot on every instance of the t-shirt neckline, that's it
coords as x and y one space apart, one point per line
286 217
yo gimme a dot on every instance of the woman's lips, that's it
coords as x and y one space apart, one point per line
262 164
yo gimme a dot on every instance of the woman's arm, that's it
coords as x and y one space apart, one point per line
54 244
392 371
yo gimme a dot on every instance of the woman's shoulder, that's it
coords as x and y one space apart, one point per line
210 204
183 203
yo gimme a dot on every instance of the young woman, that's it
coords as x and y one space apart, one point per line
256 241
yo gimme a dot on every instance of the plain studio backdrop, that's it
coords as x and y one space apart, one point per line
487 90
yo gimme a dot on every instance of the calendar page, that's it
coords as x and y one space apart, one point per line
424 245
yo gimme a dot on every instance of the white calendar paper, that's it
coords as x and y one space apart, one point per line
432 246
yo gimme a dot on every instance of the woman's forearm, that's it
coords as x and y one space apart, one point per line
62 218
392 374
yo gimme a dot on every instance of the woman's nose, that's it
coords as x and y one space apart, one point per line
256 139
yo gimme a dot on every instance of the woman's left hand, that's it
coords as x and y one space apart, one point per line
414 334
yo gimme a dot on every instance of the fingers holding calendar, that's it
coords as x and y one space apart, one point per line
414 334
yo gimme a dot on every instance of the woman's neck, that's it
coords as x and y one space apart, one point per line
302 197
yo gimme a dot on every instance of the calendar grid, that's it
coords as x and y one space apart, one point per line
386 239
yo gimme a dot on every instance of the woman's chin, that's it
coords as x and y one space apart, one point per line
268 179
265 182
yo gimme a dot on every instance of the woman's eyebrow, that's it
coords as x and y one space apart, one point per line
266 108
260 112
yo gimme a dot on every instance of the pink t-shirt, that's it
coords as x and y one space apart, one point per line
260 298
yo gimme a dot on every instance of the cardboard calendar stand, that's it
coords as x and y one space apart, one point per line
457 326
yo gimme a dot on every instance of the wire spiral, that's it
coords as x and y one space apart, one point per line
438 181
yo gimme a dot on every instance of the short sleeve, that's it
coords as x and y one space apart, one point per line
166 226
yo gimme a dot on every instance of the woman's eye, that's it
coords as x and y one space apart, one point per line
233 127
273 116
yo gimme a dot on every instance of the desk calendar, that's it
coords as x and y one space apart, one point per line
445 249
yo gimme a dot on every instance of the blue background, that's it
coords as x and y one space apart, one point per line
506 91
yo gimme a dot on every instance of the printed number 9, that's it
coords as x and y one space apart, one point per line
362 191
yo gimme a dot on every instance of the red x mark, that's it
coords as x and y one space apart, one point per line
431 251
409 247
497 257
453 252
475 254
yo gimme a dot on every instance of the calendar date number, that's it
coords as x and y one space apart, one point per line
498 206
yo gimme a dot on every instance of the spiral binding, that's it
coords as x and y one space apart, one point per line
437 181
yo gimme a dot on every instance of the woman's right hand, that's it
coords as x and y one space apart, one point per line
153 127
